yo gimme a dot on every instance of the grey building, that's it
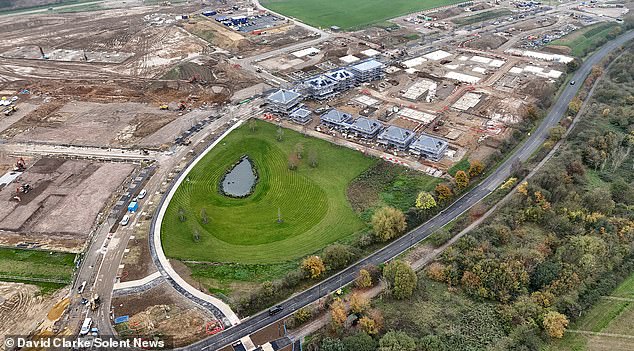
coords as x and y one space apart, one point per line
344 78
399 138
365 127
368 70
320 87
429 147
301 115
284 101
336 118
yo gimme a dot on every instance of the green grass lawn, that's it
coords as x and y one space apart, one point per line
607 316
49 271
349 14
482 16
312 201
583 40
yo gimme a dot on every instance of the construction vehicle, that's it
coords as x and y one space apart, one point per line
164 107
20 165
9 110
23 189
94 302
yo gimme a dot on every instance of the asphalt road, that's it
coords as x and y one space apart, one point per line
398 246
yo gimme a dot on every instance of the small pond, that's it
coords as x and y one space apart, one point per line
239 180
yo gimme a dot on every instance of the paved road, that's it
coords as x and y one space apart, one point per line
395 248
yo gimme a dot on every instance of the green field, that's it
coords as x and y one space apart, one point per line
583 41
350 14
482 16
613 316
312 201
47 270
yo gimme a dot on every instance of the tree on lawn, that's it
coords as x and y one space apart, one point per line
313 266
293 161
444 192
196 235
401 279
313 159
181 214
425 201
555 324
279 134
337 256
253 126
388 223
203 216
364 279
462 180
475 168
397 341
299 150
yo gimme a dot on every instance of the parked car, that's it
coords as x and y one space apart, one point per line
125 220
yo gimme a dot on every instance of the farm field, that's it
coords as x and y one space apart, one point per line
47 270
350 14
311 201
482 16
584 40
607 326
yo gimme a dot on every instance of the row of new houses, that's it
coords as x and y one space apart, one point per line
424 145
288 103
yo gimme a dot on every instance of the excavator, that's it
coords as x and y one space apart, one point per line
20 165
10 110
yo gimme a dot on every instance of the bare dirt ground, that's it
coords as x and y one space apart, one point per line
63 204
162 310
22 308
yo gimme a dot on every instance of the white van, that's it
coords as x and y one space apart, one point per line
85 327
81 287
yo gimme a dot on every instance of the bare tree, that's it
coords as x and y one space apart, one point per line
253 126
280 134
181 214
293 161
196 235
203 215
313 160
299 149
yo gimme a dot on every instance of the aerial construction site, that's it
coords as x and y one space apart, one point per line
105 103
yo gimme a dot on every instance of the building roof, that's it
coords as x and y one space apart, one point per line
367 65
320 81
300 113
429 144
336 116
397 135
340 74
366 125
284 96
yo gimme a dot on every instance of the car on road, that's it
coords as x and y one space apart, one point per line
572 82
125 220
142 194
275 310
81 288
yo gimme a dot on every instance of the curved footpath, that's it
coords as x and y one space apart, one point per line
401 244
220 309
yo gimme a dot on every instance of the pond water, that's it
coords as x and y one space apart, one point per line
239 181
